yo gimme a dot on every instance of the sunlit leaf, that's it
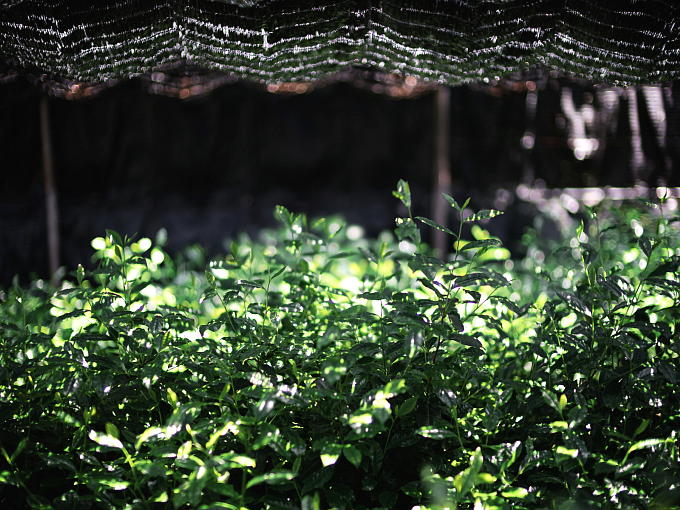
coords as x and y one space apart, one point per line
435 225
403 193
105 439
484 214
330 454
646 443
272 478
515 493
434 433
452 202
146 435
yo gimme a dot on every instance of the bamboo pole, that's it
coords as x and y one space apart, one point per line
442 166
51 207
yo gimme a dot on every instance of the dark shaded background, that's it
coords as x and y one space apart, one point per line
212 166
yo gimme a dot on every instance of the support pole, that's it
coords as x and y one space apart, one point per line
51 207
442 166
638 155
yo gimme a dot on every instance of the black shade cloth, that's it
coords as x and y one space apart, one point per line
448 41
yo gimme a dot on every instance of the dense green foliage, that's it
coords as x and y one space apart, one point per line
316 369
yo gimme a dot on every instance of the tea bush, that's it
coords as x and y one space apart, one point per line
316 369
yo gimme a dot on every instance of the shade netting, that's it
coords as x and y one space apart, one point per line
448 41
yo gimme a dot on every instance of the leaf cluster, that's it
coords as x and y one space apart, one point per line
314 368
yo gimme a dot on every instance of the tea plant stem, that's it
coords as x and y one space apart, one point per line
226 311
133 471
389 434
635 298
436 349
123 268
243 488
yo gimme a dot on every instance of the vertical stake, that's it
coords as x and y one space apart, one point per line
638 157
51 208
442 166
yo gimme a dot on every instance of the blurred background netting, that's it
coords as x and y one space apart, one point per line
198 117
452 41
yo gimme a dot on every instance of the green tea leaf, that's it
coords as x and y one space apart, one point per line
407 406
406 229
330 454
480 243
452 202
646 245
515 493
283 216
647 443
105 440
271 478
146 435
468 340
434 433
484 214
353 454
112 430
562 402
395 387
403 193
435 225
466 480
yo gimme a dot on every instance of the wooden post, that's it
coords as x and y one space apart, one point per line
51 207
442 167
637 162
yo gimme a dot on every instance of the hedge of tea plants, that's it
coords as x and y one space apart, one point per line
315 369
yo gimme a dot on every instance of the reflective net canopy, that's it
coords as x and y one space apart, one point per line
448 41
